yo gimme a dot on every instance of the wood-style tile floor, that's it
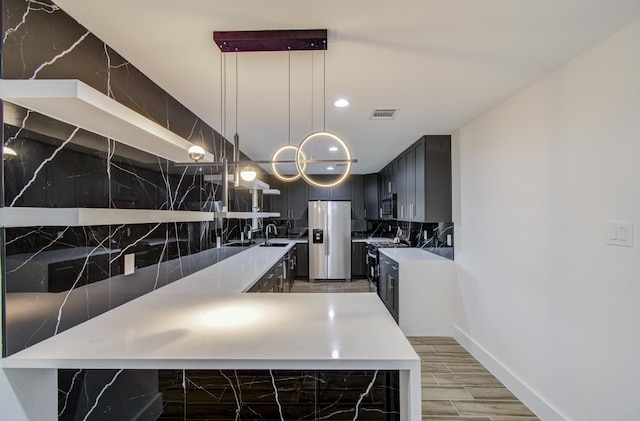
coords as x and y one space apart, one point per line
455 386
357 285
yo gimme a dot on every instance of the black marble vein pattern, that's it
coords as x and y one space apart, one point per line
55 277
279 395
108 395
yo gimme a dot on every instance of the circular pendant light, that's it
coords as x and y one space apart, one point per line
274 163
301 161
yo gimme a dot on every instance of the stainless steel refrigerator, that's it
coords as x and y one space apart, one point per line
329 240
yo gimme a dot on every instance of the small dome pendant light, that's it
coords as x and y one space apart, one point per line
196 153
248 173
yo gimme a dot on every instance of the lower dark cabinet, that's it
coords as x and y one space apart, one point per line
389 284
358 260
279 278
302 260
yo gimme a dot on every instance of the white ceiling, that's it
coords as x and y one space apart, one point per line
442 63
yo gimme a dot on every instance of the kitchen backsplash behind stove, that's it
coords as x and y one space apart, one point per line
438 240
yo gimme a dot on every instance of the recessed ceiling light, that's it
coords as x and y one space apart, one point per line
341 103
333 149
330 168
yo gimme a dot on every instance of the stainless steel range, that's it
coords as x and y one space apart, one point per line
373 260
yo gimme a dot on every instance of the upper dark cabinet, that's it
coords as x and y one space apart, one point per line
421 177
372 196
357 197
292 201
339 192
437 179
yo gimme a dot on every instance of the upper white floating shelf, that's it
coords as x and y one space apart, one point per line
76 103
80 217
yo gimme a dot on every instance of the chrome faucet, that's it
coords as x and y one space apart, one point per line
268 229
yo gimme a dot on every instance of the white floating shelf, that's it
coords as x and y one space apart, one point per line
247 215
79 217
78 104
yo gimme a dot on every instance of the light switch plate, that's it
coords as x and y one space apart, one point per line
129 263
620 234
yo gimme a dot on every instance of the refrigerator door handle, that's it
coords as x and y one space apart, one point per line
326 234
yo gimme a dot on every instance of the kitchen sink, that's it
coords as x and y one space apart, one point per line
275 245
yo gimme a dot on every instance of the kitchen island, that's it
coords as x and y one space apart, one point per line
204 322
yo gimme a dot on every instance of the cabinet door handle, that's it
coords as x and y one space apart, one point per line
365 213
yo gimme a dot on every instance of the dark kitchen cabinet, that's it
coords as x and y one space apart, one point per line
390 178
431 200
407 185
402 187
357 197
371 196
289 272
275 280
358 260
389 284
299 199
279 277
421 177
292 202
269 281
302 260
410 186
339 192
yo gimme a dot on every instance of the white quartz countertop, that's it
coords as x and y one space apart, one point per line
234 274
410 254
206 331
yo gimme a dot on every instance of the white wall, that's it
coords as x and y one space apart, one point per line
550 306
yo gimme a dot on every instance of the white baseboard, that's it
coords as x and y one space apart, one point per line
529 397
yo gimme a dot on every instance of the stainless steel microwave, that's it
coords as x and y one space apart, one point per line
389 206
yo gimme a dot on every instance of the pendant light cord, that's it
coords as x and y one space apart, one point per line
223 103
236 91
312 91
289 99
324 90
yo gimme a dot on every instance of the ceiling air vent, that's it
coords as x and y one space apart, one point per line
383 114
